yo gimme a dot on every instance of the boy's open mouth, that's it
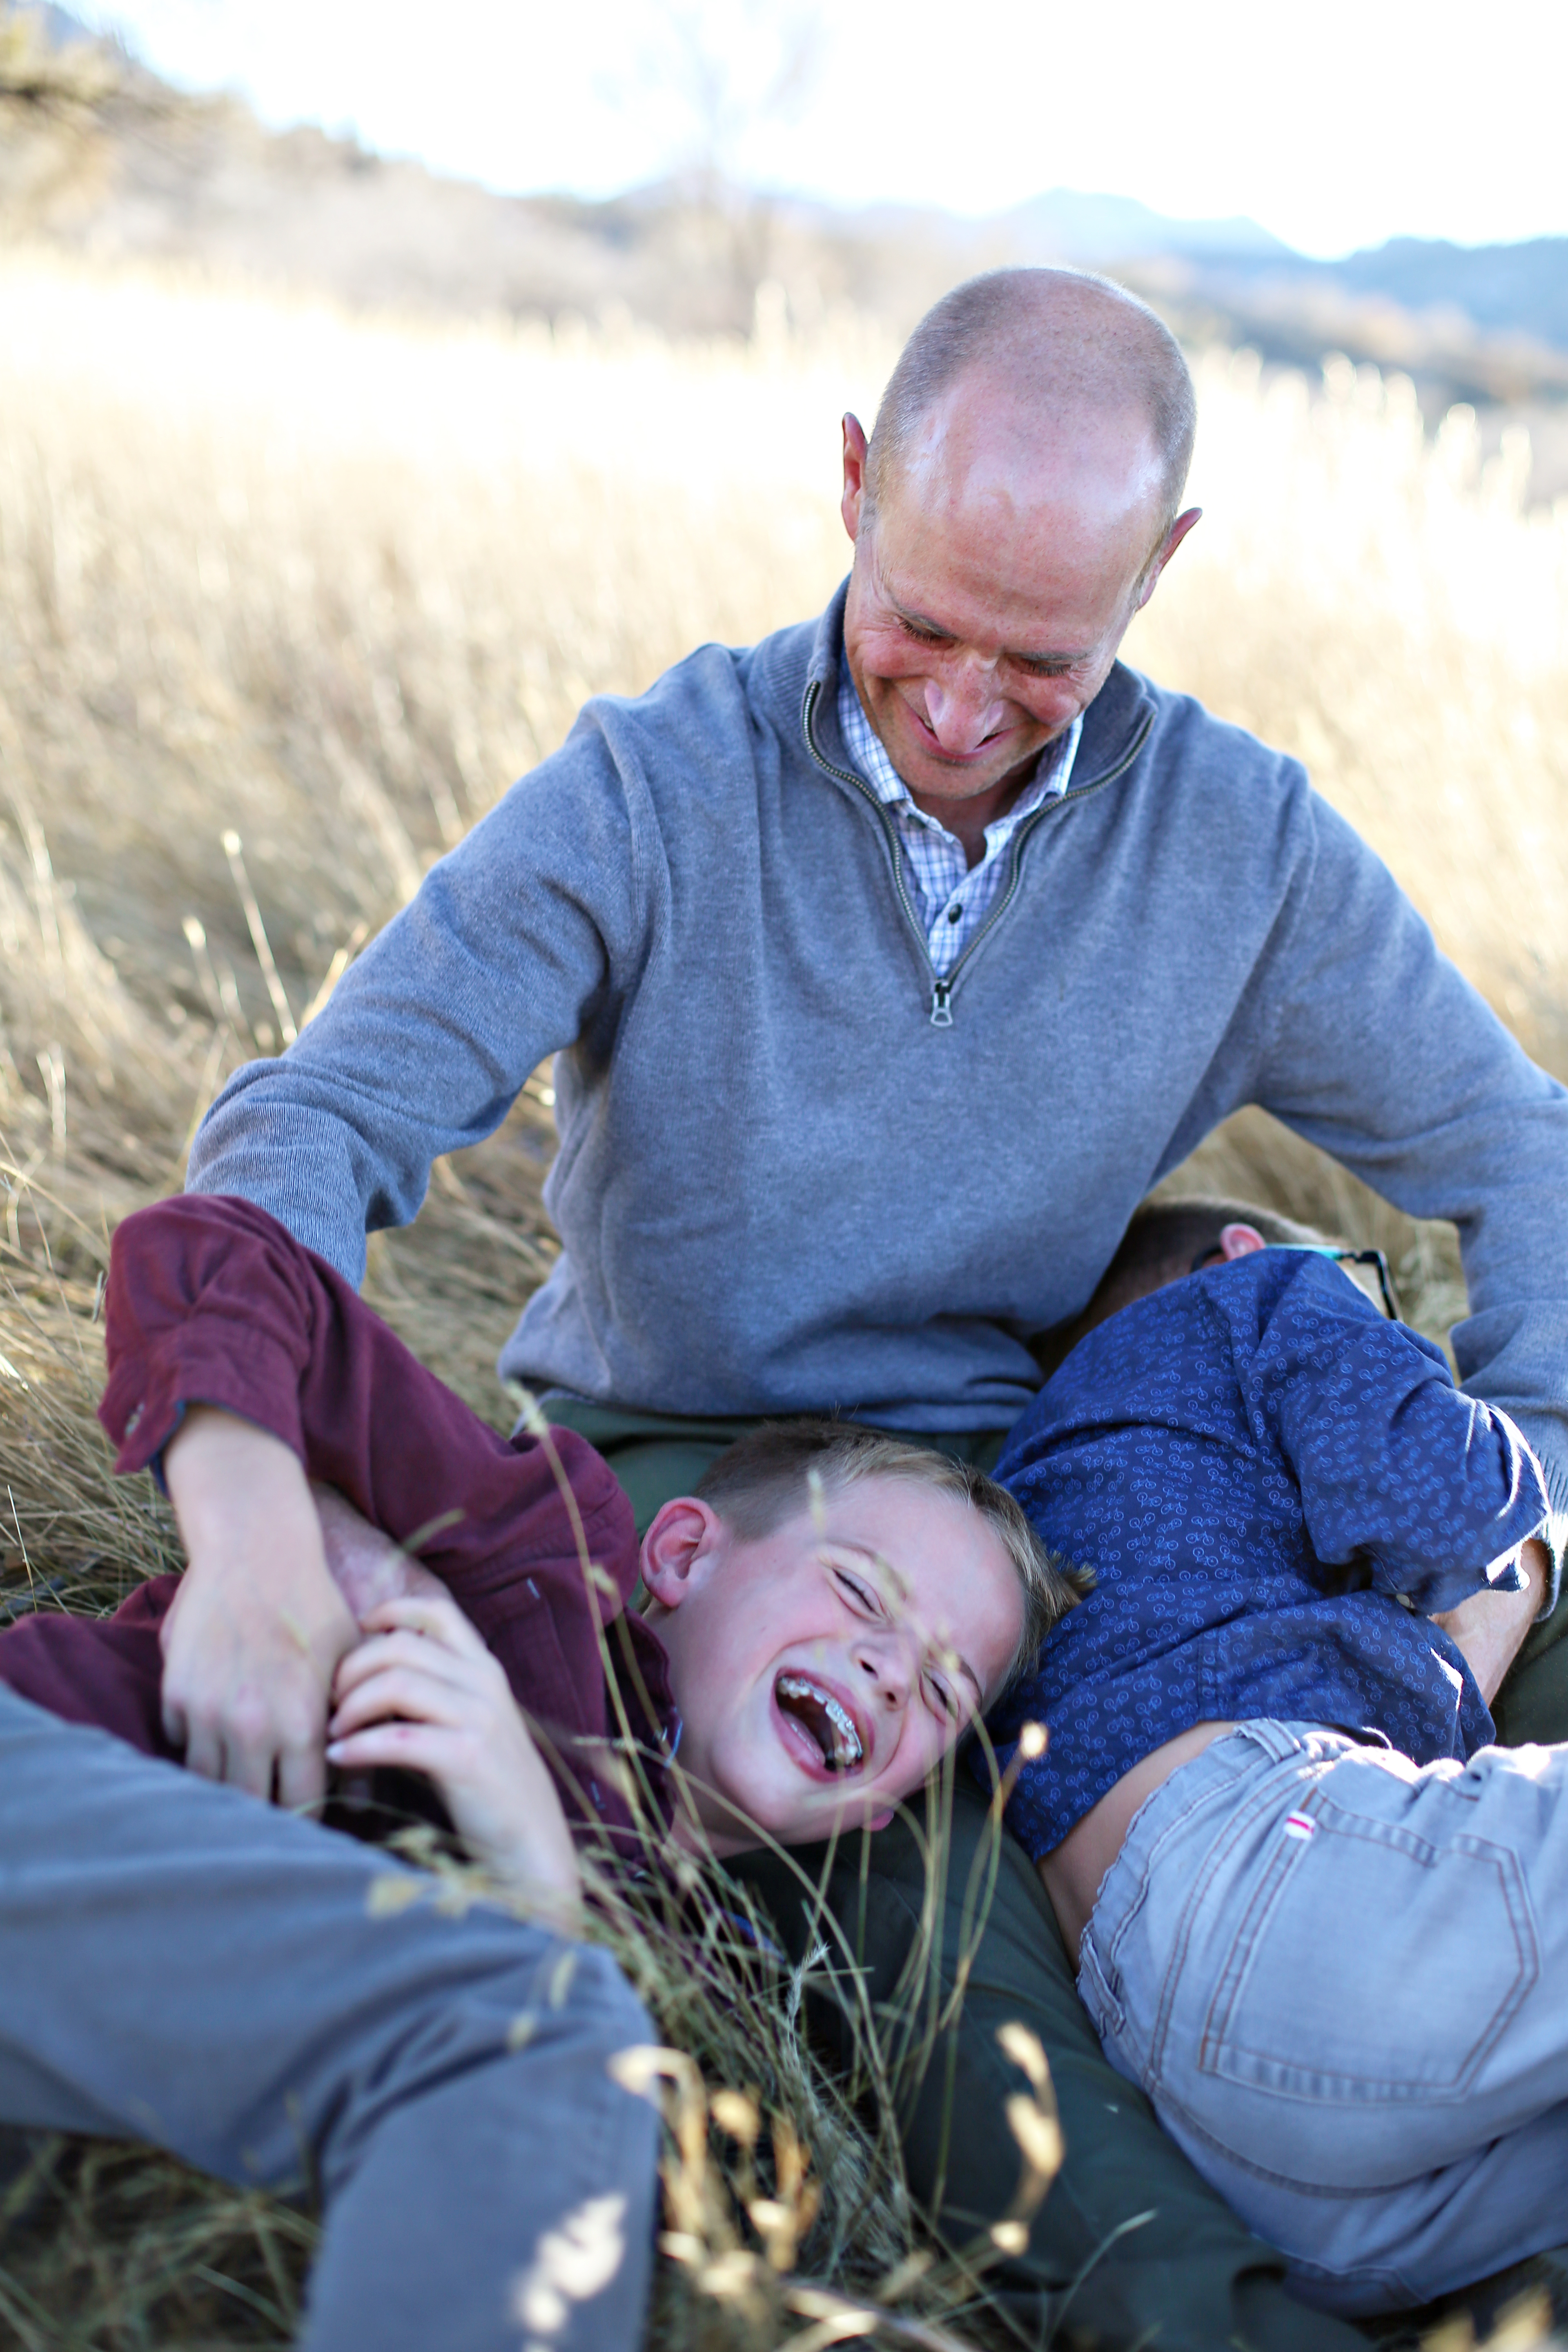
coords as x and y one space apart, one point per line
819 1713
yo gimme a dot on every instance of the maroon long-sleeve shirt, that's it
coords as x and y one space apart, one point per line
211 1301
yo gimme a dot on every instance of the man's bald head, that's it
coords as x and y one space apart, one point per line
1062 351
1015 509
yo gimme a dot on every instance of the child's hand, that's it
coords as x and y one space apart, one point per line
422 1692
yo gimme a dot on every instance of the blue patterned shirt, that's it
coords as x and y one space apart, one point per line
1274 1486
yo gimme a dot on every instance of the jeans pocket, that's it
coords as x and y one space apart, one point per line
1370 1965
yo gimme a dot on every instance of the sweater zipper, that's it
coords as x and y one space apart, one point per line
942 990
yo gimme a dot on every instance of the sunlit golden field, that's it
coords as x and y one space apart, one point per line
287 599
329 585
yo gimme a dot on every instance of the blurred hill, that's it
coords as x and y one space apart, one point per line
97 153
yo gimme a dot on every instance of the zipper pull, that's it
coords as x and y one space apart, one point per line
940 998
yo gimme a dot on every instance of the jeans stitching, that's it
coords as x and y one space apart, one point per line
1218 2041
1277 1871
1238 1828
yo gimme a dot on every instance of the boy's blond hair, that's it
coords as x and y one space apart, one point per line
766 1476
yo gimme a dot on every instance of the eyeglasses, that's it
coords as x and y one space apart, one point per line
1384 1295
1374 1259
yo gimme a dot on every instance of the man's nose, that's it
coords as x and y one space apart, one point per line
963 706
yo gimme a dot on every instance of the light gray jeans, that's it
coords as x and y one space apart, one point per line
181 1964
1343 1979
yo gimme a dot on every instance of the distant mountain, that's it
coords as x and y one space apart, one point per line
1068 227
1065 224
1491 290
1487 324
98 152
1510 289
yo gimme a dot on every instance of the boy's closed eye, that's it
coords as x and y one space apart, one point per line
855 1584
868 1577
942 1697
855 1589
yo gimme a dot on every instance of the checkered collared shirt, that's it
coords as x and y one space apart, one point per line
952 897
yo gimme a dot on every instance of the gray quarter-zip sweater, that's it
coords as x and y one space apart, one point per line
797 1172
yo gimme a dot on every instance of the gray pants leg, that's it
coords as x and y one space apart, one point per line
182 1965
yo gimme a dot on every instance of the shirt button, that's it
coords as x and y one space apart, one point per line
955 914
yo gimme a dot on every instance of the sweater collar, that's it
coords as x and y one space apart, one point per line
1115 725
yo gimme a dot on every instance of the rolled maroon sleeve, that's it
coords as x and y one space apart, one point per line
105 1671
204 1308
211 1301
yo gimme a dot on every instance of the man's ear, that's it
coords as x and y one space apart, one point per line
1240 1241
1172 540
678 1550
852 503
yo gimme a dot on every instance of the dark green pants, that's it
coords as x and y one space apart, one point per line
1533 1705
1132 2247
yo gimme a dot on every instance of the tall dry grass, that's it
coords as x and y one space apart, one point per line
284 601
1386 608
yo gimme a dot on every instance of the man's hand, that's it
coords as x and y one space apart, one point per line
423 1692
1490 1627
257 1625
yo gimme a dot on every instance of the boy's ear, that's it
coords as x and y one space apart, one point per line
1240 1241
678 1549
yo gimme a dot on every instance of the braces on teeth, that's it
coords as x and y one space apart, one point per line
850 1750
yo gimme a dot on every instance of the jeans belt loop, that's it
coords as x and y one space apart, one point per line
1094 1990
1274 1740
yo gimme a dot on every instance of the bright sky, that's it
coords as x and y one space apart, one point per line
1335 123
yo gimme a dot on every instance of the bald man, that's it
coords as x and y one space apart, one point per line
888 964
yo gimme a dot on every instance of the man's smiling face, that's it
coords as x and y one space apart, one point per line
993 585
821 1671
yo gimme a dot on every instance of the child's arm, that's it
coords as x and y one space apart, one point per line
422 1692
1433 1489
211 1302
250 1613
258 1624
1489 1629
367 1567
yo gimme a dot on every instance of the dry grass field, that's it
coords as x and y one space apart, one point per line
284 601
